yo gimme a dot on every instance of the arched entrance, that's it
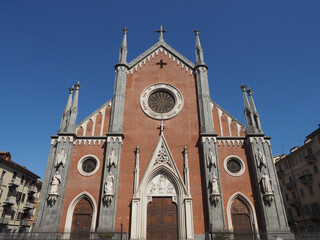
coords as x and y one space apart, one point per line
81 220
162 219
241 220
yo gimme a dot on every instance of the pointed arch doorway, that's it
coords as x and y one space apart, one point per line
162 219
81 220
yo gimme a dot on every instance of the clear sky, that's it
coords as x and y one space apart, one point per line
46 46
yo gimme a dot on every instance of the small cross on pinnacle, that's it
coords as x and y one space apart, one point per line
125 30
196 32
161 127
161 33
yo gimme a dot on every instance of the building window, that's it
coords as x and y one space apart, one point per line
301 157
286 165
301 193
306 210
315 208
12 214
22 179
293 161
294 195
3 174
88 165
298 211
234 166
297 176
319 185
287 197
315 169
23 197
310 190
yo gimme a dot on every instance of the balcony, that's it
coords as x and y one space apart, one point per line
294 202
14 182
280 174
4 220
306 179
9 201
291 186
311 158
32 189
29 205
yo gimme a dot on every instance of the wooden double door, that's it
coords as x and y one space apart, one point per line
81 220
162 220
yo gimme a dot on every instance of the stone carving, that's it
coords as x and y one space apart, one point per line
267 189
162 157
112 159
211 159
214 189
160 185
261 159
54 190
108 189
61 159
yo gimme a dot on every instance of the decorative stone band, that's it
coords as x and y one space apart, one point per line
61 139
229 142
152 55
202 69
259 139
209 139
88 142
114 139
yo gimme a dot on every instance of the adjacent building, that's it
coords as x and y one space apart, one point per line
19 188
299 179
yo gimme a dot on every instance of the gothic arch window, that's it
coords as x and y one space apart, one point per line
82 203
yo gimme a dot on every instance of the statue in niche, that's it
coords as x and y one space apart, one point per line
112 159
162 184
211 159
261 159
214 188
56 180
266 184
108 186
108 189
61 158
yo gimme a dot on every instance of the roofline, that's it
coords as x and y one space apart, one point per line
154 48
20 167
314 132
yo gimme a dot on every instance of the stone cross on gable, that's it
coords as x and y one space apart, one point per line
161 33
161 127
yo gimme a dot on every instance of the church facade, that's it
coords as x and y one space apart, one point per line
161 158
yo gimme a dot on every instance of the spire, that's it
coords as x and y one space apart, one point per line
66 113
250 111
199 51
123 49
161 31
74 109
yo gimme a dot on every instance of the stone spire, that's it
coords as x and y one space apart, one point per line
74 109
66 113
123 49
199 51
250 111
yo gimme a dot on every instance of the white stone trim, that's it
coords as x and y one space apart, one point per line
79 166
158 86
74 202
249 205
243 166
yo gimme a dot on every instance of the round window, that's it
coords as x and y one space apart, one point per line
161 101
234 166
88 165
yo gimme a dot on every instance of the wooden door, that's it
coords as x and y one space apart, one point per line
241 220
81 220
162 221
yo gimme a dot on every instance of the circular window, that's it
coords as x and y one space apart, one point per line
88 165
161 101
234 166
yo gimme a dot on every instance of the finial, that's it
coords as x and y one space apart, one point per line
125 30
196 32
161 127
71 90
161 31
77 86
185 149
138 149
249 91
243 87
199 51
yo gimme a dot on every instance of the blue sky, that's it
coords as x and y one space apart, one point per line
47 46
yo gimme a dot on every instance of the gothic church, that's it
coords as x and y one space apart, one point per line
192 170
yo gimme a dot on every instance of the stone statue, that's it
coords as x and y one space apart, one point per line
153 188
162 184
214 188
56 180
108 186
112 159
211 159
61 158
266 184
261 159
170 188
